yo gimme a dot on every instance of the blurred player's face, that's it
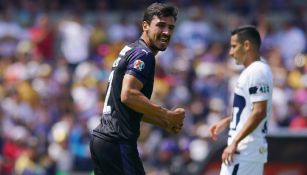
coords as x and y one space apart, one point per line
159 32
237 50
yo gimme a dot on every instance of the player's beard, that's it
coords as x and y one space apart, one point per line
159 38
154 42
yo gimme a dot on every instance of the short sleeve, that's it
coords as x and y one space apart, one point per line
259 86
141 64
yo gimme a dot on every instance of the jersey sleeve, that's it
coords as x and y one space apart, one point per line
141 65
259 86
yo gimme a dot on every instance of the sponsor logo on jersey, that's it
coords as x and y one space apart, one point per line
253 90
264 89
260 89
262 150
139 65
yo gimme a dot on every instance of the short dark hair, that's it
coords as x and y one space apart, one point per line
160 10
248 32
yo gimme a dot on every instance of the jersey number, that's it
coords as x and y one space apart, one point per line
106 107
238 106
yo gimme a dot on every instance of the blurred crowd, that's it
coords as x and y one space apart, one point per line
55 58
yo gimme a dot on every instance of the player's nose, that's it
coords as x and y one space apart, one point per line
230 52
167 31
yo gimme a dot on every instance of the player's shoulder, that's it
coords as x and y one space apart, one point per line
259 71
259 66
139 49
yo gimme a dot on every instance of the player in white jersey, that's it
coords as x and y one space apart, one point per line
246 150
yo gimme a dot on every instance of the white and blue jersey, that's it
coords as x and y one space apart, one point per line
255 84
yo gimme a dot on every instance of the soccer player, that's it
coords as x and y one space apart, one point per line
246 151
127 101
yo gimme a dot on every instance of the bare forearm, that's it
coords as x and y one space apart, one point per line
154 120
227 120
223 124
249 126
133 98
140 103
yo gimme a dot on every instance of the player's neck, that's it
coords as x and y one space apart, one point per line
145 39
252 58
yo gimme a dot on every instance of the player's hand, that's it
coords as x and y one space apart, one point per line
213 131
228 153
176 117
175 120
216 128
173 129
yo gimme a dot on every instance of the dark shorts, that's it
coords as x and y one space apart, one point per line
114 158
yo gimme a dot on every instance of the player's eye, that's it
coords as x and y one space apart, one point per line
171 27
161 25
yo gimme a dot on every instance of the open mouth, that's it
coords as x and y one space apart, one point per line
164 39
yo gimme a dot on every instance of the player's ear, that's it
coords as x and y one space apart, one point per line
145 25
247 44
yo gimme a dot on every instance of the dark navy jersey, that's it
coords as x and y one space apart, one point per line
119 123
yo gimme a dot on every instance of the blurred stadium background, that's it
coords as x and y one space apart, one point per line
55 57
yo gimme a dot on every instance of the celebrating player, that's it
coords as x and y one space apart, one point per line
127 101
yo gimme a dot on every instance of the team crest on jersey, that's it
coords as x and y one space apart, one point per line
139 65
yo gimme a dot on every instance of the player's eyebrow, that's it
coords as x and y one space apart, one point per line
162 23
